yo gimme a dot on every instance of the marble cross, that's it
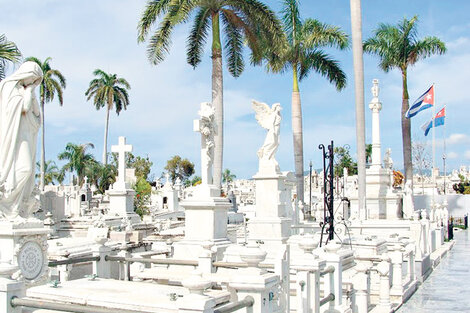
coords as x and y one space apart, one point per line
121 149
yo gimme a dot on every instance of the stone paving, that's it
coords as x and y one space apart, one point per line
448 288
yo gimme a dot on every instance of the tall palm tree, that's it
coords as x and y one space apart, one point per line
8 53
303 54
78 159
358 63
53 83
398 47
108 90
241 22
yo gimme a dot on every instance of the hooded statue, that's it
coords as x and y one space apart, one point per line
19 125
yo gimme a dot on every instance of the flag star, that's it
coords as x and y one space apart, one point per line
428 97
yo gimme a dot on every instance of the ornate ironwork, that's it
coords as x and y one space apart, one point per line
328 191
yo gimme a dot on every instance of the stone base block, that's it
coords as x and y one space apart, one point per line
23 244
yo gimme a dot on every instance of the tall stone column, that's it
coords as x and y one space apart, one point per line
375 105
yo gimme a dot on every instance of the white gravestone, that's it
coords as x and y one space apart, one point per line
121 197
206 210
121 149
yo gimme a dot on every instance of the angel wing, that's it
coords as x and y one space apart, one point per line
262 113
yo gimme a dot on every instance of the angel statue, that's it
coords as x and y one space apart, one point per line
206 126
270 119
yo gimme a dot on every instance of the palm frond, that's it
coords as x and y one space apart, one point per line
316 34
323 64
425 48
153 10
290 16
233 46
198 36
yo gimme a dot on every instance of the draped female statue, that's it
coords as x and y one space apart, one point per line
19 125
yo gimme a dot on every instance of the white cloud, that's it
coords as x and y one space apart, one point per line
452 155
467 154
455 139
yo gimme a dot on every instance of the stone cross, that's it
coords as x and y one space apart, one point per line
375 105
121 149
206 126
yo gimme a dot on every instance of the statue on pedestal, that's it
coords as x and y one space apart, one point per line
270 119
19 126
206 126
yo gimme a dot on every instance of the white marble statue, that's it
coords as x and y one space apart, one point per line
19 125
206 126
270 119
408 204
388 162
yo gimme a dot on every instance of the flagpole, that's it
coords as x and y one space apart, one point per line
433 147
444 157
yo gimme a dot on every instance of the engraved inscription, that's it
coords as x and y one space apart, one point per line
30 260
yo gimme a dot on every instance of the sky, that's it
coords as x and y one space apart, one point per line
83 35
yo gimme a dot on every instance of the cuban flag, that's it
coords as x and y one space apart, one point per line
424 102
439 120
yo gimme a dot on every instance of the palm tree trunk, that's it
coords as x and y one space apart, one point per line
298 136
358 62
217 100
105 145
43 148
406 131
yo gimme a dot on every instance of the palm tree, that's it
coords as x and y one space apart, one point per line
399 47
302 54
101 175
8 53
108 90
78 159
53 83
52 172
228 176
358 63
241 21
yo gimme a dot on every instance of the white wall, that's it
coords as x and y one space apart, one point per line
459 205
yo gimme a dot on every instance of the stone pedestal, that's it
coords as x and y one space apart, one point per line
23 244
121 204
206 221
273 208
382 202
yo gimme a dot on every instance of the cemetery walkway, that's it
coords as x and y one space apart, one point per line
447 289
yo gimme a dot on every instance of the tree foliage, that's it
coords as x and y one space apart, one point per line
302 50
9 52
343 160
243 23
228 176
101 175
178 167
78 159
143 191
52 173
142 165
108 90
